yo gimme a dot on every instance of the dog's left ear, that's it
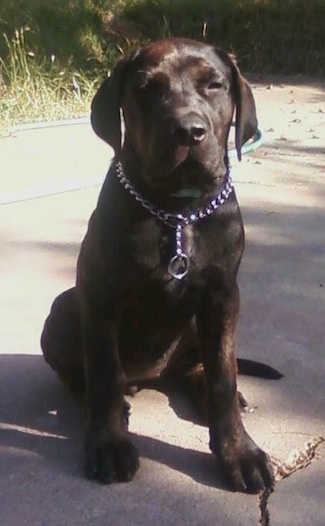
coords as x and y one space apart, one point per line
246 120
105 109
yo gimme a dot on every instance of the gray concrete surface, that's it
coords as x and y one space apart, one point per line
281 188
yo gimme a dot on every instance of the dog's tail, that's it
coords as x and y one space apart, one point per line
258 369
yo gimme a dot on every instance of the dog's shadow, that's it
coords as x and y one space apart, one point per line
37 415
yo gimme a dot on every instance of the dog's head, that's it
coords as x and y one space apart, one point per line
177 98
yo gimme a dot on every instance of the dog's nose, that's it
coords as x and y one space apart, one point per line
190 131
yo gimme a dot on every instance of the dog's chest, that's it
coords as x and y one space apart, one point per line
150 247
151 324
155 307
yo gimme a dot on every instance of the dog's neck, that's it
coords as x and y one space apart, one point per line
174 199
179 264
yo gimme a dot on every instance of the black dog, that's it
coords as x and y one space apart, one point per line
156 290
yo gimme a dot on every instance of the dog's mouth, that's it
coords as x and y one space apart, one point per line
188 173
187 177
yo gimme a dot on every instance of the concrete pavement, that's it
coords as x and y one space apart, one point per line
281 188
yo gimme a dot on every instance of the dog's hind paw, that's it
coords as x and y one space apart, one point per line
113 459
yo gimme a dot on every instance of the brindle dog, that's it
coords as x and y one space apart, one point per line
156 290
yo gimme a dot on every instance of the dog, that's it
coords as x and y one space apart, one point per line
156 291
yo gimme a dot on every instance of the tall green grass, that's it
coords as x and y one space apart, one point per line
32 91
49 53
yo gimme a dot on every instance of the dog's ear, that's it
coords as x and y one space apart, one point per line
105 109
246 120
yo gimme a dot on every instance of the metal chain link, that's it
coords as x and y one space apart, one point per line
179 264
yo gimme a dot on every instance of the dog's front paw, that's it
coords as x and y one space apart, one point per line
244 465
110 459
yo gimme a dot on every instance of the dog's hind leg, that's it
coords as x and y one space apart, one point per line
62 346
61 342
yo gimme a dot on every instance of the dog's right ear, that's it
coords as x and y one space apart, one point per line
105 109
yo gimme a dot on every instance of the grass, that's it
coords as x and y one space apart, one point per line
52 54
32 91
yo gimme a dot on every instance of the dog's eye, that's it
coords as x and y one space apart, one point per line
141 89
151 89
210 86
214 85
152 86
140 85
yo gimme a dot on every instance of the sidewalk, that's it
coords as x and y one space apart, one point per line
281 188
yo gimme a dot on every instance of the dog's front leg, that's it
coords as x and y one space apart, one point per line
244 465
109 454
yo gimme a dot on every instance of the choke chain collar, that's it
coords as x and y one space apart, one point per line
179 265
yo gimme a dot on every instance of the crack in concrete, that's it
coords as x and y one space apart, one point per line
297 459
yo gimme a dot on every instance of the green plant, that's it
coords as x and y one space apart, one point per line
32 90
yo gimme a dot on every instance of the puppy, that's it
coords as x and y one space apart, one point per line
156 290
